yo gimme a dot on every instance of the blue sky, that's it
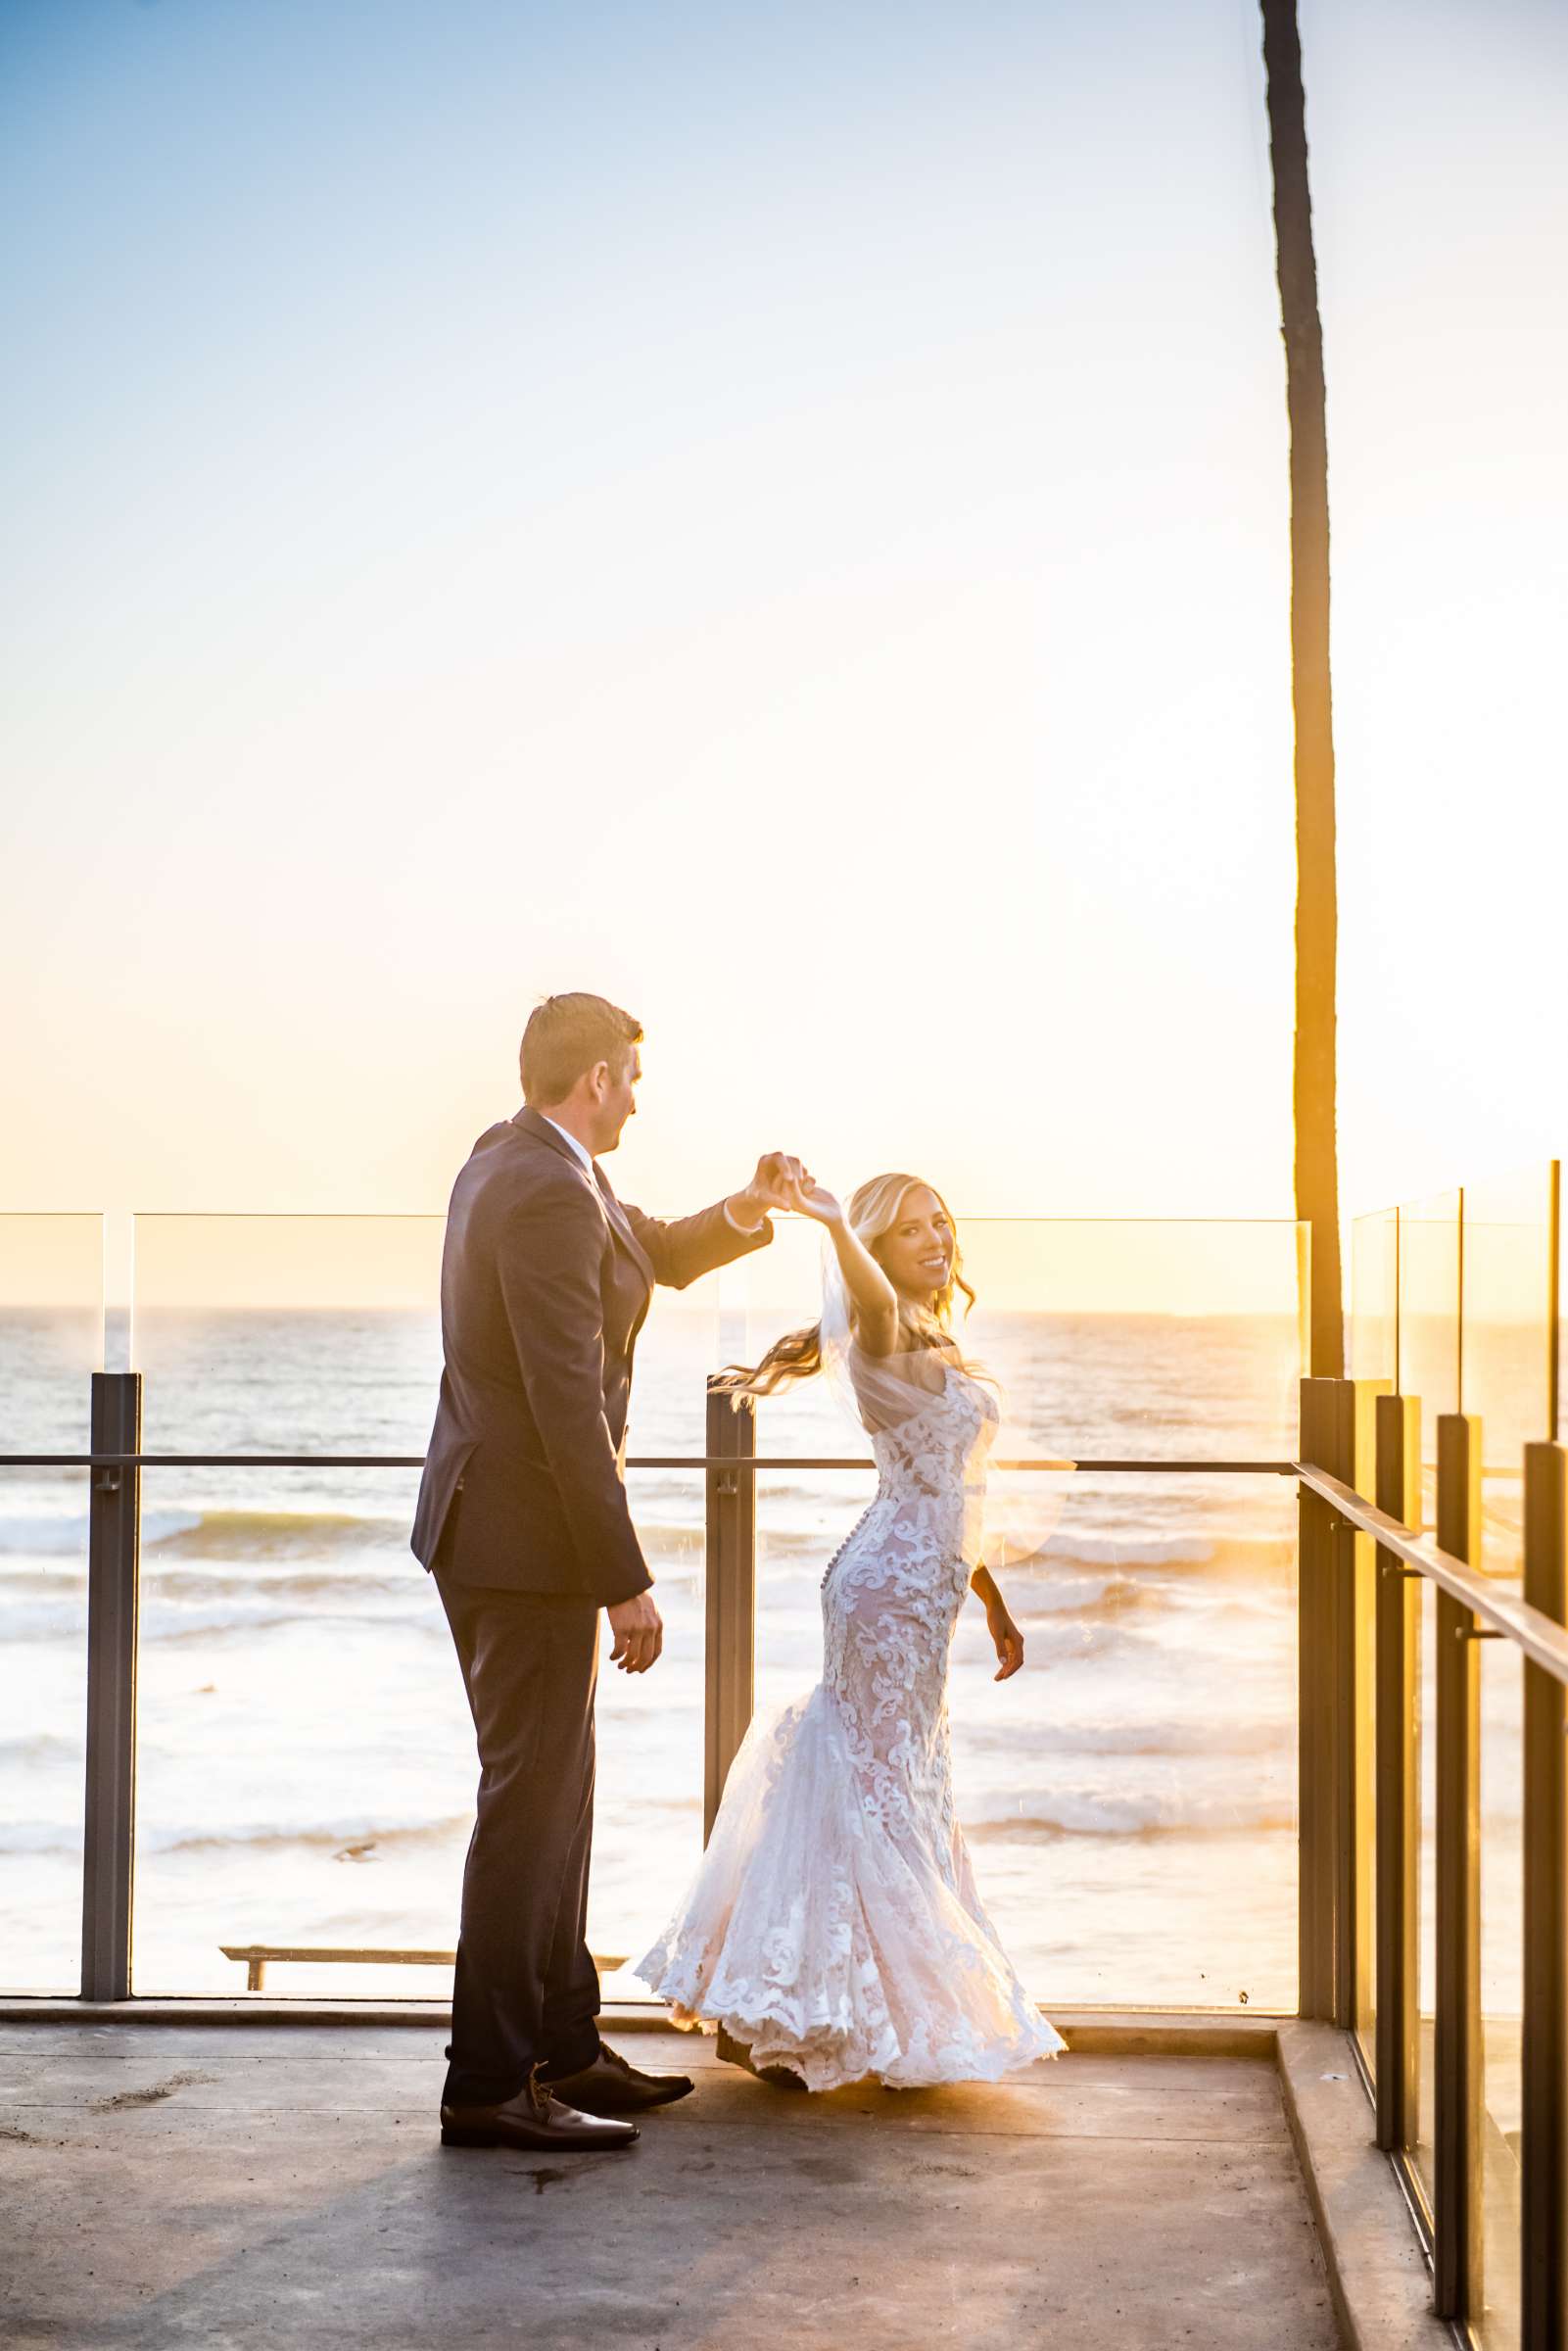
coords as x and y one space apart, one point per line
778 516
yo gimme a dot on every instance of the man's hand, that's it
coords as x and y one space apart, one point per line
772 1186
638 1633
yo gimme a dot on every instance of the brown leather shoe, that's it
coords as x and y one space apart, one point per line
612 2086
533 2119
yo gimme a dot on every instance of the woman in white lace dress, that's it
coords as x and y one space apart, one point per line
833 1927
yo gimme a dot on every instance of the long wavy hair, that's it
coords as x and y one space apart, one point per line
873 1210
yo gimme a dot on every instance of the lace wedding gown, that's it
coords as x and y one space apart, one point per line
833 1924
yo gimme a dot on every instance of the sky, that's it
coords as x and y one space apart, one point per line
778 516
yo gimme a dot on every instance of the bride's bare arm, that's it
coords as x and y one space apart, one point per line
1005 1634
872 1299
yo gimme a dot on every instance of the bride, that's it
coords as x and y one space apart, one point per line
834 1929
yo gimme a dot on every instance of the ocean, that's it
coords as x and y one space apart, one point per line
306 1767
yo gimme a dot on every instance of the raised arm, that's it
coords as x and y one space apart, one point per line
872 1299
681 1248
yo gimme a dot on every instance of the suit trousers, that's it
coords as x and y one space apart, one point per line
525 1990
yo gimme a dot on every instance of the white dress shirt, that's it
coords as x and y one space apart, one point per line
582 1150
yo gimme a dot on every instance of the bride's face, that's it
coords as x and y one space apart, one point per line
915 1253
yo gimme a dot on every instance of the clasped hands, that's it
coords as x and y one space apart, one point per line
777 1184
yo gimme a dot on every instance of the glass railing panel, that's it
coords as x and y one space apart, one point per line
245 1570
647 1825
1110 1338
289 1742
1374 1331
1502 1985
304 1744
760 1299
1086 1776
284 1334
1429 1323
51 1342
1505 1368
1129 1798
323 1334
50 1331
1363 2002
1131 1794
1501 1976
1143 1338
1507 1322
306 1758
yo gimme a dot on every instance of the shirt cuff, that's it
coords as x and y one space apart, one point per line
750 1230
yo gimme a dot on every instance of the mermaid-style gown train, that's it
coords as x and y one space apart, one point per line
833 1924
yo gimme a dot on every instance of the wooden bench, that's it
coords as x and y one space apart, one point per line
256 1957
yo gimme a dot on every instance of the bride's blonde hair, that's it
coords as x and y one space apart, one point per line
873 1210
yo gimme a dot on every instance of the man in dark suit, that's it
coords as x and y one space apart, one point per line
523 1519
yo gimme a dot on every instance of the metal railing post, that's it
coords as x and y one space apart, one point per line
1335 1689
1457 2214
1543 2055
114 1571
730 1657
1397 1777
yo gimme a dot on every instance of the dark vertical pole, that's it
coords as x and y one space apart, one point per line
1457 2214
1314 1714
1397 1840
1355 1685
730 1676
114 1569
1316 902
1543 2056
1335 1689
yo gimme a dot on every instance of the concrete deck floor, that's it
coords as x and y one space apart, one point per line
169 2185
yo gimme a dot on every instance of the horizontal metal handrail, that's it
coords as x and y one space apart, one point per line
1543 1640
642 1461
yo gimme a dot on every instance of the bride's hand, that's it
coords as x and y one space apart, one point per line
1008 1641
804 1196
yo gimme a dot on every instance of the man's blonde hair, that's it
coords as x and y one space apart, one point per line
568 1035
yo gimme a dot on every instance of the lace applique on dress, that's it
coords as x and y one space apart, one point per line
833 1923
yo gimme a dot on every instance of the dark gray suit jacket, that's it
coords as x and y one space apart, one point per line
545 1284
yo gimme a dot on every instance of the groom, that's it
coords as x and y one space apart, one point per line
523 1519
